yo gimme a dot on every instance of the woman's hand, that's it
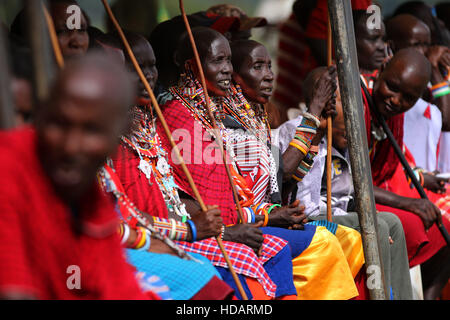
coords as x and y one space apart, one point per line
248 234
291 216
209 223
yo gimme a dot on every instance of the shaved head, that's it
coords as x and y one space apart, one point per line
405 31
80 125
240 50
402 82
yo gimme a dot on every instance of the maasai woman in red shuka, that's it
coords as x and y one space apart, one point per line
387 171
185 111
142 168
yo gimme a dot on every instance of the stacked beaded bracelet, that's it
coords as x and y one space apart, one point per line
124 232
440 90
306 164
143 239
174 230
305 132
222 232
193 230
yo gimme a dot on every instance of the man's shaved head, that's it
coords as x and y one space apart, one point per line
80 124
402 82
405 31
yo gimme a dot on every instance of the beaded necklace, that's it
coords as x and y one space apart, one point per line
256 122
130 213
153 160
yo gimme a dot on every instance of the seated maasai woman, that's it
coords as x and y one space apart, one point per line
186 111
253 153
146 177
150 189
395 91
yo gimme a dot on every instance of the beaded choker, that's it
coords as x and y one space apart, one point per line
146 143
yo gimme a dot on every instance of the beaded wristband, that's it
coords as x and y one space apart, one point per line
138 238
143 240
266 219
166 228
294 143
148 241
273 206
439 90
222 232
173 229
193 230
126 233
312 117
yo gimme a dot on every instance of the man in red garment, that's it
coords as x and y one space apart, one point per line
59 235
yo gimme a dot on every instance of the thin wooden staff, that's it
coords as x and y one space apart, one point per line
172 142
211 116
329 128
53 38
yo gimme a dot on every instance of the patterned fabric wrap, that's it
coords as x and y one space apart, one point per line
243 258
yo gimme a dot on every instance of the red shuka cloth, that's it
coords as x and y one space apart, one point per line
38 243
211 179
388 174
145 196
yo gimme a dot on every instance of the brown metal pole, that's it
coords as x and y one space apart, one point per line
329 125
352 103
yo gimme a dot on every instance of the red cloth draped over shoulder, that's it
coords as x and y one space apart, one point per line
210 177
38 242
421 245
382 156
388 174
145 194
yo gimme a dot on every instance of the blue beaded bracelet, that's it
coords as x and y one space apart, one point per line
193 230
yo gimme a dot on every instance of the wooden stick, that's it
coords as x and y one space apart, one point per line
329 129
215 130
211 116
169 136
53 38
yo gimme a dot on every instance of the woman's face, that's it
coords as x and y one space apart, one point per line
72 42
256 71
370 46
217 64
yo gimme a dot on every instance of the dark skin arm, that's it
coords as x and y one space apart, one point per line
323 100
423 208
439 58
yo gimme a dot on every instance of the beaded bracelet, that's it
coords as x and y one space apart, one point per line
126 233
313 118
222 232
439 90
273 206
139 235
266 219
166 227
193 230
147 241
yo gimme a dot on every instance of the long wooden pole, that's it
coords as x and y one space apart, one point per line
329 127
211 116
170 137
53 38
